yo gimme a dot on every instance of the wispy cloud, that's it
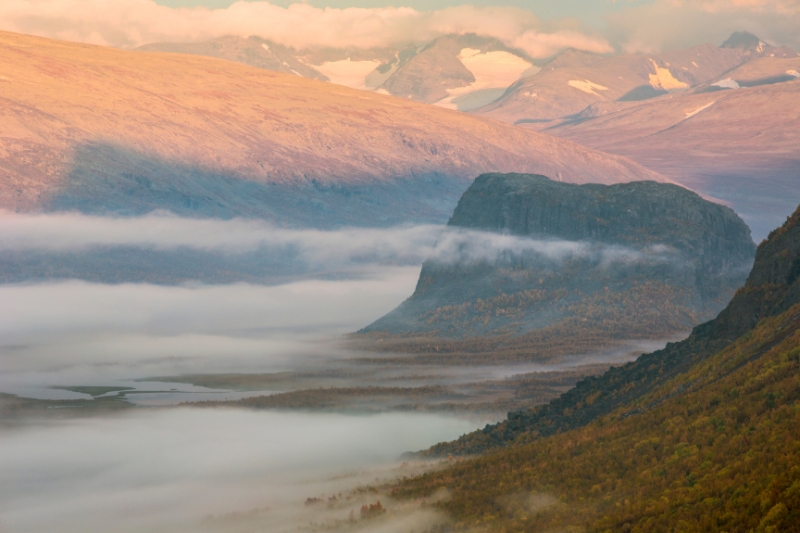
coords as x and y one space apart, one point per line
63 232
457 245
130 23
675 24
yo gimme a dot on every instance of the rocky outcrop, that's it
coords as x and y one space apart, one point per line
634 260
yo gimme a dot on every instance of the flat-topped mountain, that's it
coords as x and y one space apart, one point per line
772 288
534 268
101 130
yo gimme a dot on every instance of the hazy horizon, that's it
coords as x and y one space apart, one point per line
539 28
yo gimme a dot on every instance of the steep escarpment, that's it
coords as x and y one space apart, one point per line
542 268
772 289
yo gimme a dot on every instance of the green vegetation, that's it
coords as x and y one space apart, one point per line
15 410
701 436
716 448
491 396
591 322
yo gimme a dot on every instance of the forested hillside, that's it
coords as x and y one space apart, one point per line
772 287
713 449
702 436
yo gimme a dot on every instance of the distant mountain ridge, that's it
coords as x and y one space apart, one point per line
202 137
734 137
617 262
456 71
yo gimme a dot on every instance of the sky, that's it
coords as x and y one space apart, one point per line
538 27
589 11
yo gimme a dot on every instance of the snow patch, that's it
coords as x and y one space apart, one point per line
467 53
663 79
690 114
348 73
494 69
789 72
727 83
265 47
493 72
587 86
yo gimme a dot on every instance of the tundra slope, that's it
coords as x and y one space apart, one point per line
102 130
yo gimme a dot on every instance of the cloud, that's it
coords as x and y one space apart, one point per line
77 333
537 44
777 6
63 232
458 246
131 23
678 24
165 470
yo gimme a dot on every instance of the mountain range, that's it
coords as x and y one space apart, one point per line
657 109
102 130
456 71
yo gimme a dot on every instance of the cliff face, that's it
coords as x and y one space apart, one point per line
635 214
772 288
523 253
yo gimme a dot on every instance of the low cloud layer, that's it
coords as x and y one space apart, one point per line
164 471
76 232
101 332
457 245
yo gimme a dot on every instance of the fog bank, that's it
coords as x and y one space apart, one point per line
165 471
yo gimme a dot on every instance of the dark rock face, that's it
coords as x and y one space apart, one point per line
772 288
591 253
632 214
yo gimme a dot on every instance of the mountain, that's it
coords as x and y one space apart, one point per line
358 68
772 289
733 138
701 436
462 72
755 47
252 51
571 84
103 130
531 268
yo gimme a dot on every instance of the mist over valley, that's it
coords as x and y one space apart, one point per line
349 267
